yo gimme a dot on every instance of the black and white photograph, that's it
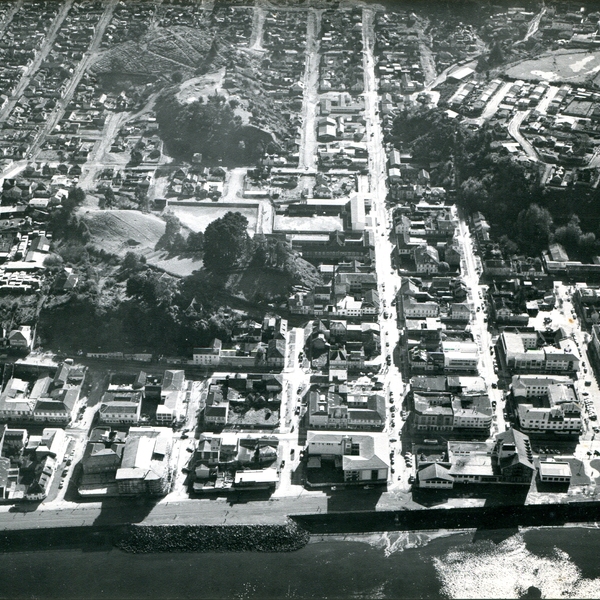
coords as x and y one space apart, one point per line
299 299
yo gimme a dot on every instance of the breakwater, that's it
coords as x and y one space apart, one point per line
160 538
215 538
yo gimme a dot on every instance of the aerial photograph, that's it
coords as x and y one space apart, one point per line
299 299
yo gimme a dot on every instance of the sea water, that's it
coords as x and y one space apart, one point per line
538 563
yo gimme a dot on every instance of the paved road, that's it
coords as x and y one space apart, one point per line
40 56
513 130
80 69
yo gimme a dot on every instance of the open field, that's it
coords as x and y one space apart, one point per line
119 231
574 66
320 224
198 217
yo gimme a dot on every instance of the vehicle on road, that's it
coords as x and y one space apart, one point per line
292 452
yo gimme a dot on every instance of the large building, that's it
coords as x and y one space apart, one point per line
547 405
145 467
447 412
522 353
357 458
331 411
507 460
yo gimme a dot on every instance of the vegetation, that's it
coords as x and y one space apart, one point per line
211 128
125 304
524 216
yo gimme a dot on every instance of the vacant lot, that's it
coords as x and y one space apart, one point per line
326 224
575 66
198 217
118 231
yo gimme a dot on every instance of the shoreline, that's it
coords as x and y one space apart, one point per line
390 530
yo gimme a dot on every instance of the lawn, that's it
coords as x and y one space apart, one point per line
574 66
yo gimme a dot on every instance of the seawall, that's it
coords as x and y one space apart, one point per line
480 517
293 535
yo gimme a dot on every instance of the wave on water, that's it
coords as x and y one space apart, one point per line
510 570
392 542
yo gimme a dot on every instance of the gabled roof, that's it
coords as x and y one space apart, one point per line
435 471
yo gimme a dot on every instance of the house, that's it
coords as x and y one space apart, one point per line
435 477
216 412
21 338
427 259
360 458
15 403
276 353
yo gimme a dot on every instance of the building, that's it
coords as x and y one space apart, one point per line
21 338
359 458
460 356
443 411
521 353
145 466
330 411
532 386
121 408
556 411
172 398
506 460
554 471
210 356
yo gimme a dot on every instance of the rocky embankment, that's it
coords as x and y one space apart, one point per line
219 538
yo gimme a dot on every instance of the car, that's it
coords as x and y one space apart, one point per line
493 404
282 464
411 479
61 485
392 459
387 344
292 452
585 393
184 436
494 385
392 409
393 440
392 470
385 315
297 411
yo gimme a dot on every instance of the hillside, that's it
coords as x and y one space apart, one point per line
120 231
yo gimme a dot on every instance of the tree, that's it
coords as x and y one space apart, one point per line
172 230
195 242
496 56
225 241
534 225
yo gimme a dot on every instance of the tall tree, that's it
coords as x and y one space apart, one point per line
225 241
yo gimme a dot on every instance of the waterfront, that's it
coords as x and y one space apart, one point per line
559 562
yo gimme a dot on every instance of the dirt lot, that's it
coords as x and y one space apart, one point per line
574 66
198 217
